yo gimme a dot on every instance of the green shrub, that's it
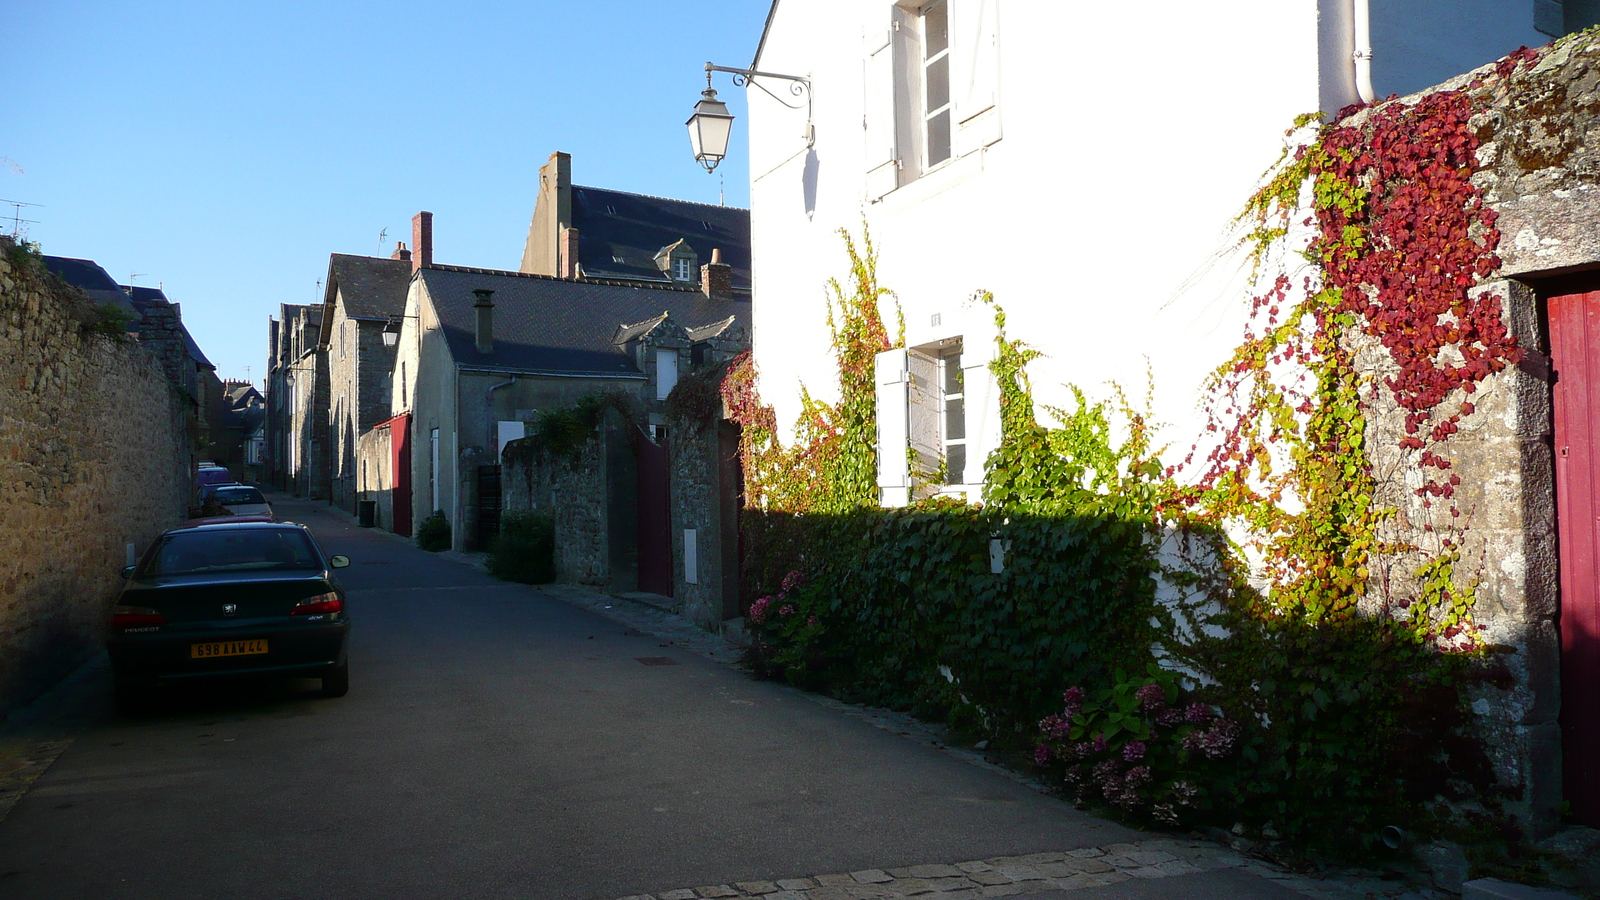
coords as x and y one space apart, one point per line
525 550
433 533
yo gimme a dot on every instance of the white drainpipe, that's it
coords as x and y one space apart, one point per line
1360 17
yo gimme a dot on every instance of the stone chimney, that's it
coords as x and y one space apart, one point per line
716 278
483 307
421 240
567 254
400 251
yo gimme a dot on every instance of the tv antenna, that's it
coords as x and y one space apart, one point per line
133 275
17 221
383 237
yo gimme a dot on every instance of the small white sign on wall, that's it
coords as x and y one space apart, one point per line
509 431
691 556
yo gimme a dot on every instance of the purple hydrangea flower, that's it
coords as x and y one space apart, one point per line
1150 696
1042 754
1133 751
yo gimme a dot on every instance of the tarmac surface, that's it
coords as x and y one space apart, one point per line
504 741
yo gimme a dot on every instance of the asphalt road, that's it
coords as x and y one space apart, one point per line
497 742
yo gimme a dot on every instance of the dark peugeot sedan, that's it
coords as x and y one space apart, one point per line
251 598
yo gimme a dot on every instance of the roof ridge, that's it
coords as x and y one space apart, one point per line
584 187
612 282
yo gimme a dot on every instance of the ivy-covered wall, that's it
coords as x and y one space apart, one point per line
1333 611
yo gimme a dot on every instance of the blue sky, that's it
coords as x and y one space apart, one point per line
223 150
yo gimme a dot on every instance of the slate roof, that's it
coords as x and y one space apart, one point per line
373 288
94 280
544 324
619 234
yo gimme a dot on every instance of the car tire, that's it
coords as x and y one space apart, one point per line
336 682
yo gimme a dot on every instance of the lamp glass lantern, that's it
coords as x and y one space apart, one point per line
709 129
391 333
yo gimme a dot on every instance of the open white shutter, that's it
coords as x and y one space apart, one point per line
878 114
894 476
975 72
922 413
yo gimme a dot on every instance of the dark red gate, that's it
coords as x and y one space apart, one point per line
1575 355
654 516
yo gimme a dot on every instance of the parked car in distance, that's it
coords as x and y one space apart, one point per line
241 500
229 600
212 475
225 520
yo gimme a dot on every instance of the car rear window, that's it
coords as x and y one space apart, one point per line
229 496
231 550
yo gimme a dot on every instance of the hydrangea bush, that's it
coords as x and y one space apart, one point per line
1139 746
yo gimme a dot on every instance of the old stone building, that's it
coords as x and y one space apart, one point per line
297 402
364 296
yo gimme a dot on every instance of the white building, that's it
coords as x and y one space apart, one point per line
1082 161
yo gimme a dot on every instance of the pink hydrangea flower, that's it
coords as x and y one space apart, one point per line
1133 751
1042 754
758 610
1150 696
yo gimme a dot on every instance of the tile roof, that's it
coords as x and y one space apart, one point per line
372 287
544 324
619 234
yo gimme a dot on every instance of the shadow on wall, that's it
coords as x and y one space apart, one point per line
808 182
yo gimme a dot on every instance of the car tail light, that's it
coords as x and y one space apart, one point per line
321 603
134 616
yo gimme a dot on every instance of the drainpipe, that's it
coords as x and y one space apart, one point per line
1361 19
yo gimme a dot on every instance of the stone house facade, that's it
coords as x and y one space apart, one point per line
364 296
297 402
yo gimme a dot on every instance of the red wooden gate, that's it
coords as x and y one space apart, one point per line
1575 355
654 516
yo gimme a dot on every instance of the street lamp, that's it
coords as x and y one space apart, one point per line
709 128
391 333
712 124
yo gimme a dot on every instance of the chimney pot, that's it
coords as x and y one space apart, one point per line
567 254
421 240
400 251
716 278
483 308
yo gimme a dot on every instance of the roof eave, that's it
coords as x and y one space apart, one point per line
766 29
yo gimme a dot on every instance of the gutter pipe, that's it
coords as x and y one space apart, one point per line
1361 21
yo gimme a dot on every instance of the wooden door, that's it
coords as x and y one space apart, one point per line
1575 356
654 516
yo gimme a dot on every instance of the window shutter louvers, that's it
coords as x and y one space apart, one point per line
922 414
975 58
878 114
893 474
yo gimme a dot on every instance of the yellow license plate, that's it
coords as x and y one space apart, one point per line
226 648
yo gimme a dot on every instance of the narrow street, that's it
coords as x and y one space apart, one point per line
499 742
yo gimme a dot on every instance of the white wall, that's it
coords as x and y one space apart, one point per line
1131 136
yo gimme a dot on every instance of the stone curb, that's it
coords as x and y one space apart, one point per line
1034 873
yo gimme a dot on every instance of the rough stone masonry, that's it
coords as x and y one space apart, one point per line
93 459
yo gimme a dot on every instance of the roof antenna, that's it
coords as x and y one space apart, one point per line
17 221
721 201
383 237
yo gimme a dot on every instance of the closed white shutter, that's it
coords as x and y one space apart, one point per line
894 480
975 71
922 414
878 114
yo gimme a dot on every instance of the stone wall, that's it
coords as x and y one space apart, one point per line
375 478
572 488
359 369
705 506
94 458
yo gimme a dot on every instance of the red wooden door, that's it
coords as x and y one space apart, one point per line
654 516
1575 356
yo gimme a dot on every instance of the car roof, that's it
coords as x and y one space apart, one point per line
251 526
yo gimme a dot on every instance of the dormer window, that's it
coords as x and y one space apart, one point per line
678 261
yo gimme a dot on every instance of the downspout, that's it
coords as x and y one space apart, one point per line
1360 20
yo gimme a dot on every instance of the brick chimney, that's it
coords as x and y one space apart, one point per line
483 308
716 278
421 240
400 251
567 254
